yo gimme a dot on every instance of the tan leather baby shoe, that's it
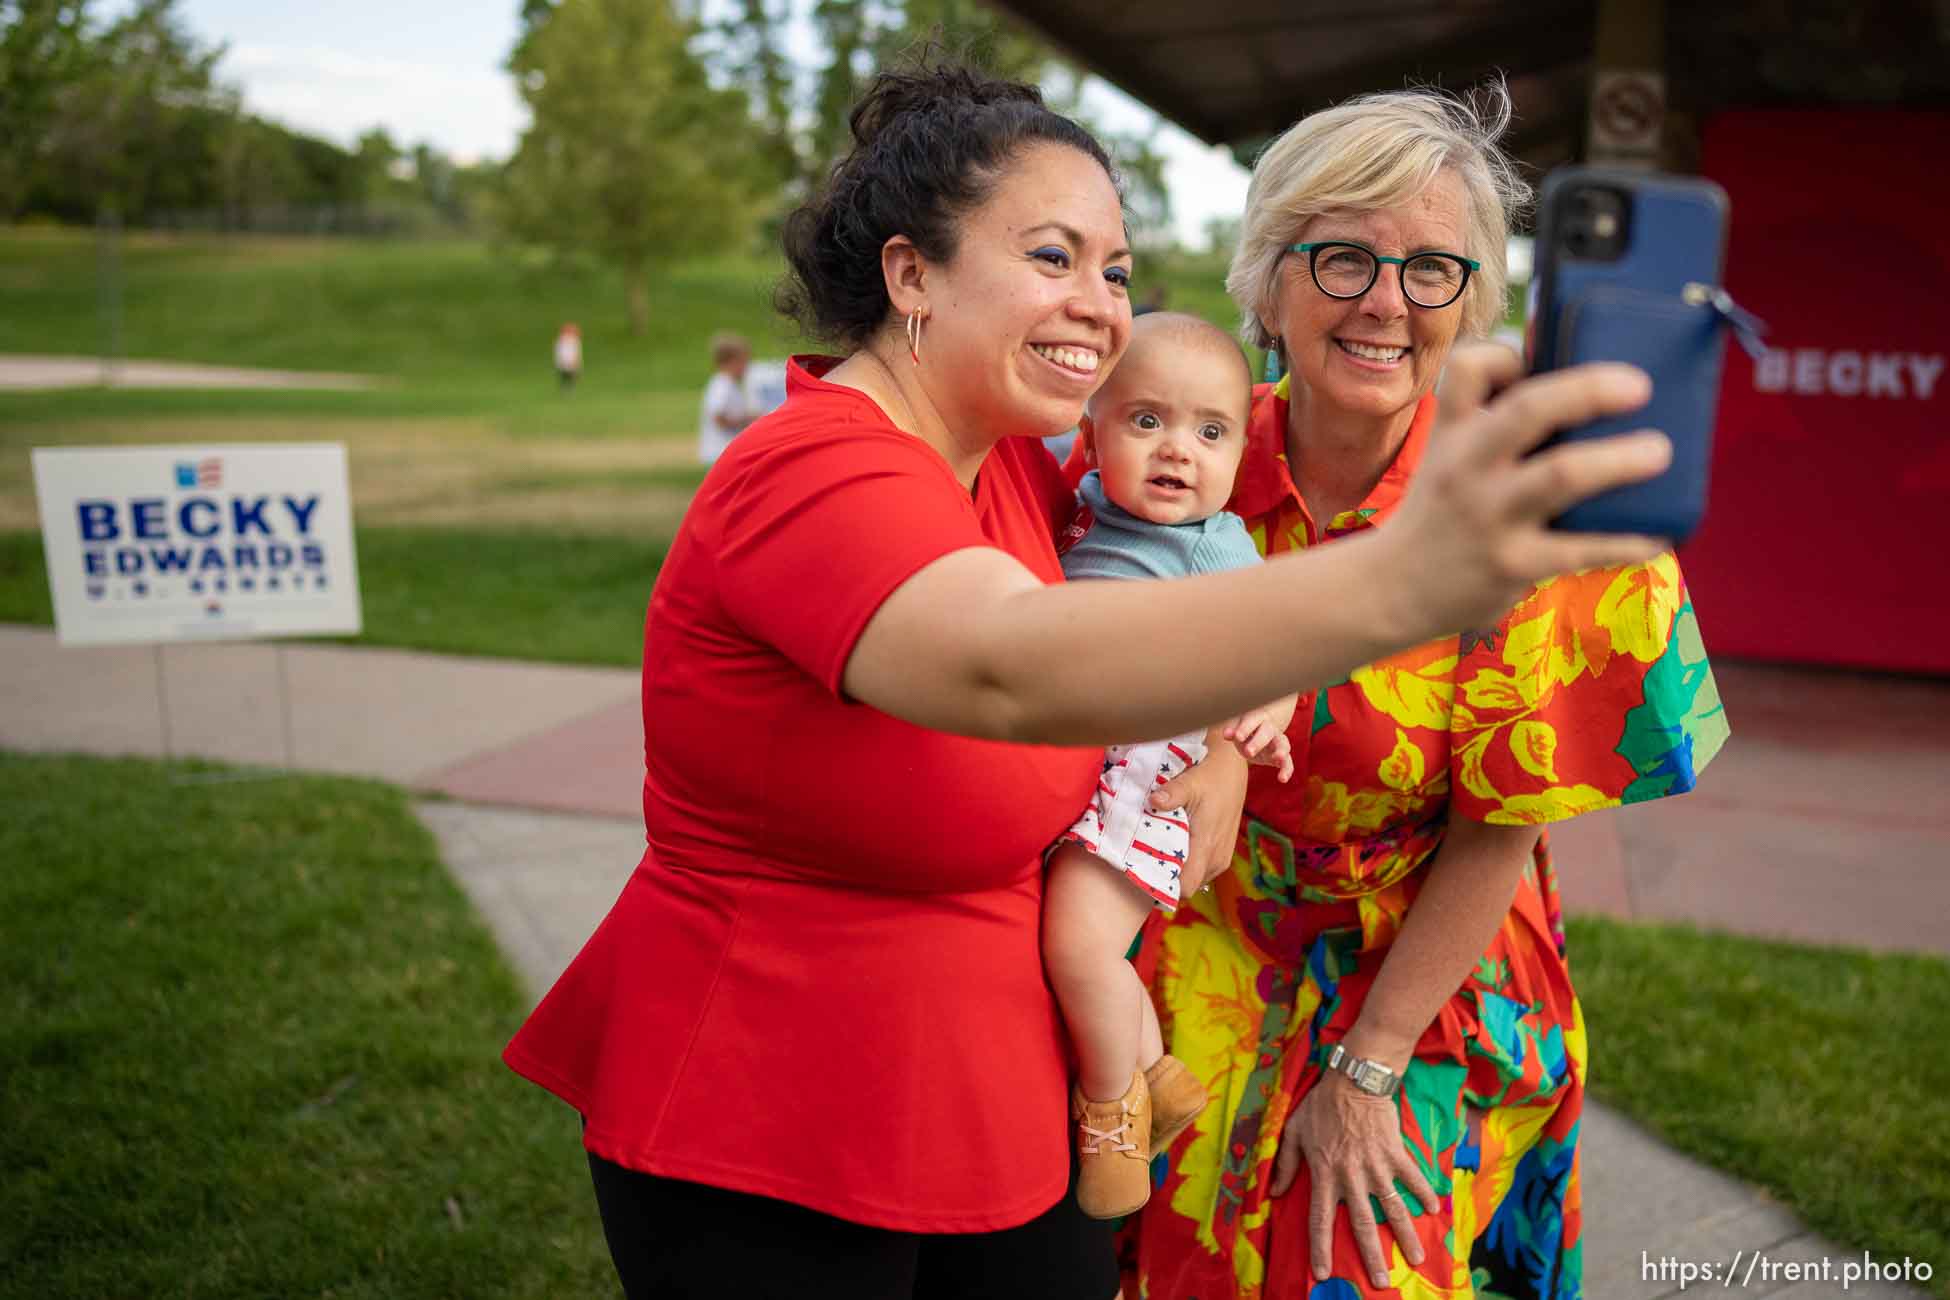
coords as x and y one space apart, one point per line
1177 1097
1114 1151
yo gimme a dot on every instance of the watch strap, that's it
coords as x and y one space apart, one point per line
1371 1077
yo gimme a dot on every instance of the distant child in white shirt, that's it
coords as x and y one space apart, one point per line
568 355
1166 433
727 406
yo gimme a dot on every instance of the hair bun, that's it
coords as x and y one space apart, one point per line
930 87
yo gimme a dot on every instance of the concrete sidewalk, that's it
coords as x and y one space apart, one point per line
1823 821
40 373
490 730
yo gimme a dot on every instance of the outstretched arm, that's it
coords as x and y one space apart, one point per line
973 643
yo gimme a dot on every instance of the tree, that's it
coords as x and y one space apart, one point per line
847 29
969 31
136 98
863 35
126 120
977 33
632 154
43 49
751 53
859 36
378 156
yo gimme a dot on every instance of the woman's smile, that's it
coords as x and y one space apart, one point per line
1072 358
1377 356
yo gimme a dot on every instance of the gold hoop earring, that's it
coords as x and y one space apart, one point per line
914 335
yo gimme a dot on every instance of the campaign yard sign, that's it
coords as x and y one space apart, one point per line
216 542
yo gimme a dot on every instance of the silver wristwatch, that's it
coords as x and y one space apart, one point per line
1369 1076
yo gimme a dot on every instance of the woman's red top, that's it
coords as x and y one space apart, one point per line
822 983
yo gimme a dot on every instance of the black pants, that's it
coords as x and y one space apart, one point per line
673 1240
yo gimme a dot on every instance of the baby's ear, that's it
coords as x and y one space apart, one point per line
1087 439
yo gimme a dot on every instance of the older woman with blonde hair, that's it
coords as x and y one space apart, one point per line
1376 993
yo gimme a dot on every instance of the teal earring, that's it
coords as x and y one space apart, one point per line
1275 363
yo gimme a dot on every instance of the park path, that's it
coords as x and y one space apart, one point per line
24 373
1823 821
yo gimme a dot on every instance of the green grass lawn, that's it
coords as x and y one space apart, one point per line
521 407
530 595
1819 1074
24 594
461 330
507 593
460 326
249 1049
454 328
435 311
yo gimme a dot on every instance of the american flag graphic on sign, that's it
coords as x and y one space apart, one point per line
205 473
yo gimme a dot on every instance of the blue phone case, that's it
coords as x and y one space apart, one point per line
1647 308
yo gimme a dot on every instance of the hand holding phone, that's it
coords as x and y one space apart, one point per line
1628 269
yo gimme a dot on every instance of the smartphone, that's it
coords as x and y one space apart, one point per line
1628 268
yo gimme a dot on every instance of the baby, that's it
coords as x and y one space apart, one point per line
1166 433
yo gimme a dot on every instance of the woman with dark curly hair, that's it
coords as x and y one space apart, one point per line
811 1044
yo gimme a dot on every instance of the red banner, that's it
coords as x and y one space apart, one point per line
1831 468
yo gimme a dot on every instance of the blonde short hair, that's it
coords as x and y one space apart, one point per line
1373 152
726 345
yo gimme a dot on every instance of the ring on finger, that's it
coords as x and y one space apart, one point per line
1391 1194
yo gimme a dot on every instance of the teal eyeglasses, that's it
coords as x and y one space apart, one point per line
1344 270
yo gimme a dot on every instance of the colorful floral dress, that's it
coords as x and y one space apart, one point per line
1593 692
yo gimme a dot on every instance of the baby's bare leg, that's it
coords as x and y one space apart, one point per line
1151 1037
1090 915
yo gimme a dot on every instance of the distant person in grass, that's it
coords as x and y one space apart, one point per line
812 1044
568 355
727 408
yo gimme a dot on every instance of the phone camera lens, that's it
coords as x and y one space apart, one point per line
1596 228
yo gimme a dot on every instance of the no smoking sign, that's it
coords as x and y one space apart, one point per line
1628 110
